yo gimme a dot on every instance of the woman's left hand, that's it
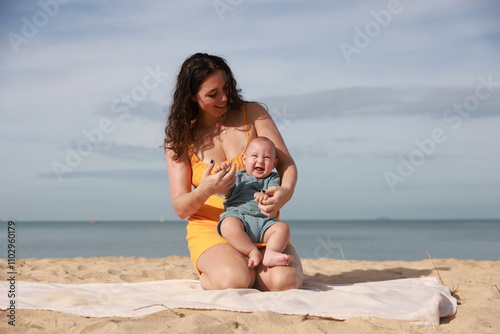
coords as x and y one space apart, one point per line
276 197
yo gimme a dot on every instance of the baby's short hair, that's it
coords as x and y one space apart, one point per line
262 140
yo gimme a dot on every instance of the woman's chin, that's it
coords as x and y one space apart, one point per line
220 111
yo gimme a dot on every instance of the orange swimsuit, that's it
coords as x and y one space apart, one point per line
202 226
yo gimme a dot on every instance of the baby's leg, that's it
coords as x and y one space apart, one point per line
276 237
232 230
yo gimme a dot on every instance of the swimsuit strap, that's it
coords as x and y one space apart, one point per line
244 111
193 155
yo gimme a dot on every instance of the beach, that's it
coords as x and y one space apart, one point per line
474 283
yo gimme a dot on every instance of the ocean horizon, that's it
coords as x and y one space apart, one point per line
371 240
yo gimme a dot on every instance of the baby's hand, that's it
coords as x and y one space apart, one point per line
223 167
217 169
260 196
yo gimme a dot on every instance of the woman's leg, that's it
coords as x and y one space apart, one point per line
280 278
223 267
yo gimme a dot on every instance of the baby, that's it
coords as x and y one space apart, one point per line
242 224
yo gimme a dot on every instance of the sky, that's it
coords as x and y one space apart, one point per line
389 108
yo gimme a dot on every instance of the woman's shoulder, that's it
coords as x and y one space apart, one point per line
256 114
256 109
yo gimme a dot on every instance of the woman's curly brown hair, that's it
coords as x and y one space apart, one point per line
181 124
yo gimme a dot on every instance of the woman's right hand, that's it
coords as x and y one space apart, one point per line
221 180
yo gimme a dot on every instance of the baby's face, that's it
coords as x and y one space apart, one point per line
260 159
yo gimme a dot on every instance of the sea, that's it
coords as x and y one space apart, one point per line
372 240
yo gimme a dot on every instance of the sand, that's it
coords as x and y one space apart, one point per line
476 285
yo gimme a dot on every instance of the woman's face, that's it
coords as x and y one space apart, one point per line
212 96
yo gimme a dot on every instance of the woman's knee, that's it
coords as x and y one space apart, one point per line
232 278
225 268
284 280
281 278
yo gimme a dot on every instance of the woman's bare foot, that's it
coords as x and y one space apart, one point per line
272 259
254 258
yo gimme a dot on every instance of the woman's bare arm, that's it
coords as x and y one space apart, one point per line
187 201
265 126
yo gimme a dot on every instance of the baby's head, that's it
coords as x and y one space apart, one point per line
260 157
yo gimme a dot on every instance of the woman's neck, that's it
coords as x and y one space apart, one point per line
210 122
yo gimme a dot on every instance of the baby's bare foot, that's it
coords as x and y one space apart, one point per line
254 258
272 259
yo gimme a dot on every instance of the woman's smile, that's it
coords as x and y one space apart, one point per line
221 108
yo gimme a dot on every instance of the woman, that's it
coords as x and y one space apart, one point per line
210 124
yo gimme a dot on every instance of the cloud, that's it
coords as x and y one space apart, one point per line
383 101
396 156
357 118
122 174
147 110
129 152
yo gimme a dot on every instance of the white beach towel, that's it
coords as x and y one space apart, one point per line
420 300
